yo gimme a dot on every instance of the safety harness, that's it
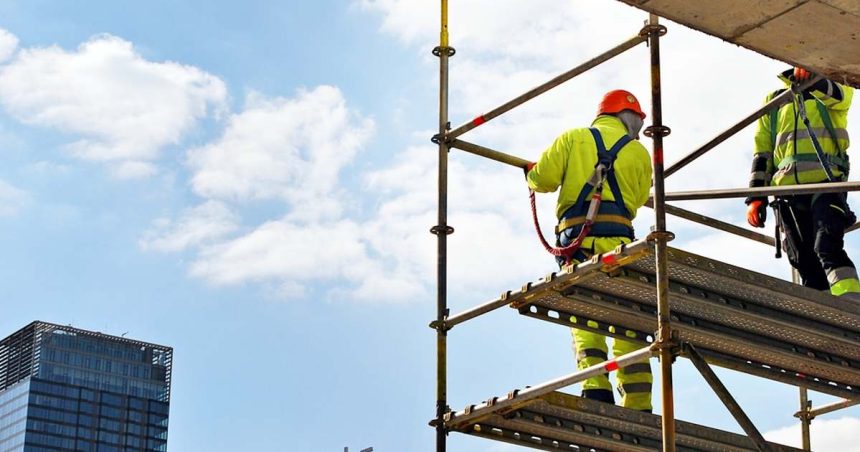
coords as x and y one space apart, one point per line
595 218
840 161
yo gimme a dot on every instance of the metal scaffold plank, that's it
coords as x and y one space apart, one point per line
737 318
559 421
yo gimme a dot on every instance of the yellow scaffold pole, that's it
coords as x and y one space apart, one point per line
442 230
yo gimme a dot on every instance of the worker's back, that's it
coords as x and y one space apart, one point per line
571 159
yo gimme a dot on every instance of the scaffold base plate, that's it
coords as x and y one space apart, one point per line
559 421
736 318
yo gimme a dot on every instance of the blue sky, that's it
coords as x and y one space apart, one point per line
253 184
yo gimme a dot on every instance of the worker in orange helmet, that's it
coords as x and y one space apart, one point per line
569 164
806 142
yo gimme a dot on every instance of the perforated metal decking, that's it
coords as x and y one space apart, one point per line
559 421
736 318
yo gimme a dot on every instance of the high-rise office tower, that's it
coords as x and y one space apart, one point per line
63 388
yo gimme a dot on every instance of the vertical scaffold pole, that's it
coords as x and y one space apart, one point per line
664 333
805 419
442 230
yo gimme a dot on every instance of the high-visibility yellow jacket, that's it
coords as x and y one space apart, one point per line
784 153
569 162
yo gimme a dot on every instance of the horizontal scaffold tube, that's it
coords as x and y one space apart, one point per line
785 190
540 89
489 153
829 408
520 397
716 224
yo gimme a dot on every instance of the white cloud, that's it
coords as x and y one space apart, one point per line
279 248
841 434
286 149
502 29
8 44
406 19
291 151
292 256
205 223
295 150
46 168
133 170
12 199
489 210
124 108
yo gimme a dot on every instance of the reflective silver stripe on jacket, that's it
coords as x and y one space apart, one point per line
802 167
819 132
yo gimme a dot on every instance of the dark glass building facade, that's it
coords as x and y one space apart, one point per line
63 388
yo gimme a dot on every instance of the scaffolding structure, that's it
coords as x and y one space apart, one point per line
720 314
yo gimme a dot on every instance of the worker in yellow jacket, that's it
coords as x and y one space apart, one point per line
570 163
789 150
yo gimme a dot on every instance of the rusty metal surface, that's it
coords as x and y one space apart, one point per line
737 318
559 421
820 35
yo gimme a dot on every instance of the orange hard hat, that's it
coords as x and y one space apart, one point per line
619 100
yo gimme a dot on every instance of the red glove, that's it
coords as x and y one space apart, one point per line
801 74
757 213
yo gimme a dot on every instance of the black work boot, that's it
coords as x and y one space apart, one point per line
601 395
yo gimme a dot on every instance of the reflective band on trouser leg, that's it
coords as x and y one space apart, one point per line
590 349
636 396
841 273
634 381
637 368
845 286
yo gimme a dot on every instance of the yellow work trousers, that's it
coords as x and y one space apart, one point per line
635 380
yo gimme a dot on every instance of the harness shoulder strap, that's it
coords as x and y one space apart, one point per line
577 206
774 117
828 123
608 158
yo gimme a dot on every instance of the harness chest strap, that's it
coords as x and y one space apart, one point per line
599 218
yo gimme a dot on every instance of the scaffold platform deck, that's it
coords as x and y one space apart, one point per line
736 318
559 421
